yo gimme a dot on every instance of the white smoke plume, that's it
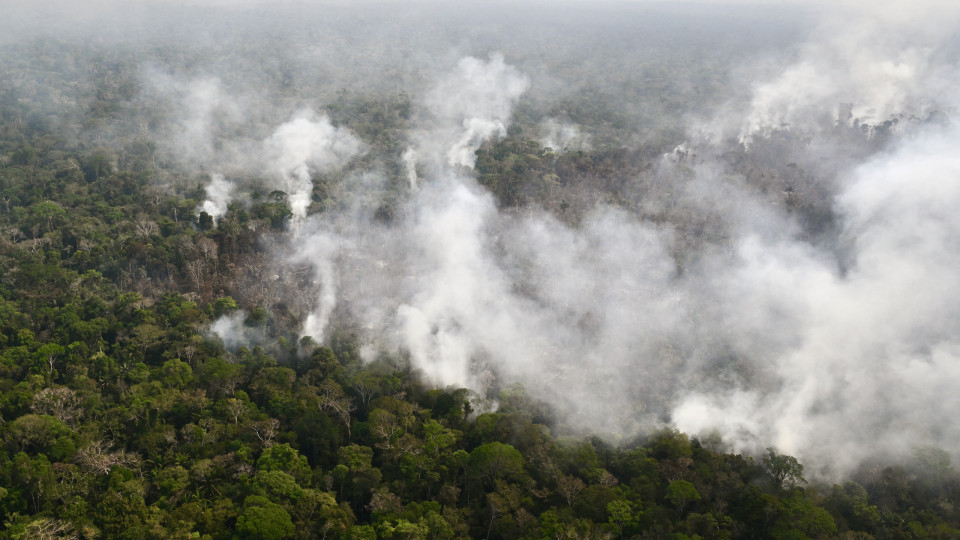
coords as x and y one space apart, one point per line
321 249
821 360
772 344
844 360
467 107
863 65
562 136
863 359
307 144
219 194
233 331
410 165
470 105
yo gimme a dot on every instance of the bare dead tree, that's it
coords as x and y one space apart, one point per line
265 430
145 226
569 487
61 402
98 457
333 399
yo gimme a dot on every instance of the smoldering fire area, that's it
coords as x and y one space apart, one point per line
736 222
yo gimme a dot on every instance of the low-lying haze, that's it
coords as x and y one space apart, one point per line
778 267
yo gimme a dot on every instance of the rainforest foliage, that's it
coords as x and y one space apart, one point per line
122 417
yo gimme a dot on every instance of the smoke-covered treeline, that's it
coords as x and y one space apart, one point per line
733 221
676 230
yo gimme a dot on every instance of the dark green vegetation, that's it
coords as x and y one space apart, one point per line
121 418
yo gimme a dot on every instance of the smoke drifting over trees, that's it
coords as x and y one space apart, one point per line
732 221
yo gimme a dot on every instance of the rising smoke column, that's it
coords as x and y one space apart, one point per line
458 289
443 246
308 144
219 194
479 297
471 104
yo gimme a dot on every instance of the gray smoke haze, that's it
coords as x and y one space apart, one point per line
286 161
696 294
858 360
561 136
234 332
210 129
467 107
856 355
765 339
871 69
772 341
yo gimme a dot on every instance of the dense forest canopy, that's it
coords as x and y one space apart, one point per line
479 270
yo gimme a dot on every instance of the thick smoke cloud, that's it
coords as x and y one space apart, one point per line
833 348
851 358
470 105
865 357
